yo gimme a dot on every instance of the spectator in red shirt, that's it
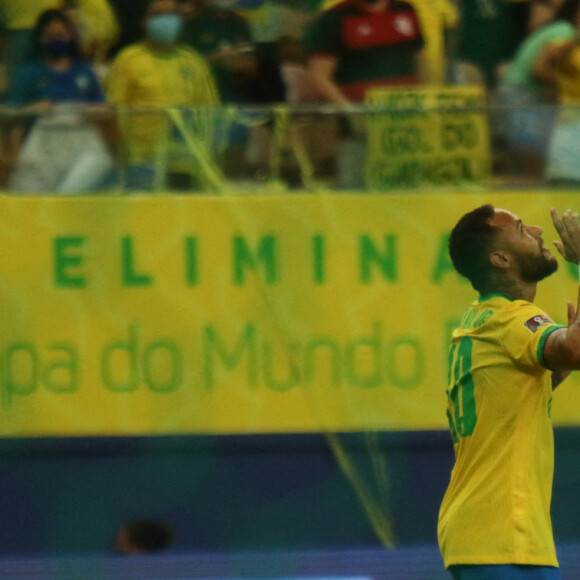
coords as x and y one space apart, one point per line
359 44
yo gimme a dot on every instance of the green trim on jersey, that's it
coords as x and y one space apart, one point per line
542 343
491 295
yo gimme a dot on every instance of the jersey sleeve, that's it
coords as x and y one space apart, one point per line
524 331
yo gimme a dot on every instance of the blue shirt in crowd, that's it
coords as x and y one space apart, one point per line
35 81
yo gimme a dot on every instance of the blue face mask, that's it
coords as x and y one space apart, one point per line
57 48
164 28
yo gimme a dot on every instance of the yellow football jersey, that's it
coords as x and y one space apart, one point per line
497 507
141 82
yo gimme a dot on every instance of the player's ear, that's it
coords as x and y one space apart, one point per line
500 259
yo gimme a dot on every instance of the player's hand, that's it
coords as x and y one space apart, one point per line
573 333
562 348
571 343
574 315
568 228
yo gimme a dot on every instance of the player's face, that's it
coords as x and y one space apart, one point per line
525 244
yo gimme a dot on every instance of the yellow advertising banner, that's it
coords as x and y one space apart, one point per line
248 314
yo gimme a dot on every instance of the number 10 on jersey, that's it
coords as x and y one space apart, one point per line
461 411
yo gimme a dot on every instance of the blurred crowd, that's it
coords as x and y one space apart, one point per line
90 87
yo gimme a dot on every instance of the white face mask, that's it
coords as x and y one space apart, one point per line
164 28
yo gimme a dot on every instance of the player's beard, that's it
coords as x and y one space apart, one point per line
536 267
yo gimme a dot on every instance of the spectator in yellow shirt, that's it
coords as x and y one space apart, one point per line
147 79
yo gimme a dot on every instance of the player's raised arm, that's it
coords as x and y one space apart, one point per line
562 349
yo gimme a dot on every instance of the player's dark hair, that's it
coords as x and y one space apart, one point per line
149 535
469 245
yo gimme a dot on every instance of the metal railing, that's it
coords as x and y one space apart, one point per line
247 150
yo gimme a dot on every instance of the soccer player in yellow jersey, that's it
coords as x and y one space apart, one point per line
158 74
506 358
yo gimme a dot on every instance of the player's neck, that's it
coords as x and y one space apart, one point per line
515 290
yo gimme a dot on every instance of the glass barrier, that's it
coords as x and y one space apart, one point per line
402 145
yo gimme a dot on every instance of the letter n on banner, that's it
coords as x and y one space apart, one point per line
427 136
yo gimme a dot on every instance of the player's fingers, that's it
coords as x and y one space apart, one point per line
560 248
570 219
557 221
577 307
573 314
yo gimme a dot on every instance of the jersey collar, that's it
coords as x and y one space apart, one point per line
490 295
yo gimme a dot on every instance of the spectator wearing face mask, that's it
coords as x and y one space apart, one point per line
56 144
146 79
17 20
54 71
